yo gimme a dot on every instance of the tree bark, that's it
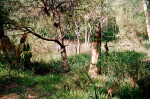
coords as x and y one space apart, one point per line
147 17
105 45
106 51
95 52
62 48
106 25
89 33
63 52
78 48
86 33
64 60
60 38
78 38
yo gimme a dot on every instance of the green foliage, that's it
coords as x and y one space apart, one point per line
79 61
46 80
25 20
94 88
127 92
118 63
8 61
26 47
144 36
3 11
129 14
70 37
108 36
26 56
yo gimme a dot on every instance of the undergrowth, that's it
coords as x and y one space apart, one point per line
46 80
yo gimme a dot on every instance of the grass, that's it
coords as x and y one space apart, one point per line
45 80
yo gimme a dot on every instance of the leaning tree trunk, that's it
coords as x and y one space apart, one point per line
147 18
62 47
95 52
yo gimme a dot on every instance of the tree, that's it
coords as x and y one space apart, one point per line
98 15
95 52
54 11
5 44
9 49
147 17
77 31
130 18
86 18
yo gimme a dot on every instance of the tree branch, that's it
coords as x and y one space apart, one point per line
43 38
45 8
31 30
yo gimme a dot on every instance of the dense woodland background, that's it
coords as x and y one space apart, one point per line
74 49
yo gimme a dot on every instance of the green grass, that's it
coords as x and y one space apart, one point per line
45 79
119 63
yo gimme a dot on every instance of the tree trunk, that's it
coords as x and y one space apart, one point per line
78 38
56 14
86 33
106 51
147 18
95 53
106 25
105 45
78 48
89 33
62 48
64 60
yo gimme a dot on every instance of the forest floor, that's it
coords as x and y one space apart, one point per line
45 80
